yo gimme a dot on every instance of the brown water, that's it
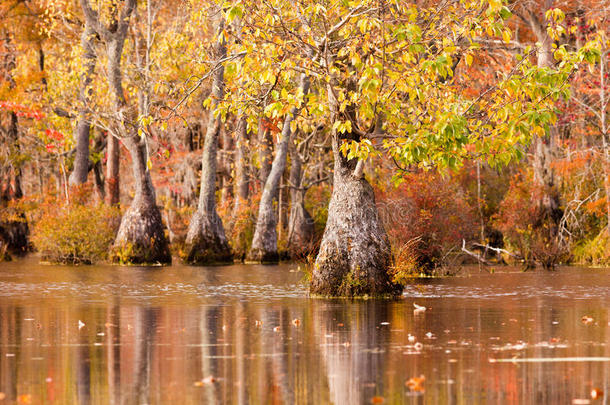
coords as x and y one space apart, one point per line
189 335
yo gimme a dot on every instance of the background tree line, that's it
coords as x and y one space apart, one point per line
375 137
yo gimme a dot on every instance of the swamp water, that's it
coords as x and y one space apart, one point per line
250 335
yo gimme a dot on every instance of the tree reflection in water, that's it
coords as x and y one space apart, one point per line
189 336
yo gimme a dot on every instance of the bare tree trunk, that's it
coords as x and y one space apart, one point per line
112 170
242 183
81 160
141 235
264 242
355 253
282 206
206 242
300 224
227 167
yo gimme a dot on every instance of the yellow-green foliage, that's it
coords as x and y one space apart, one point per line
74 233
595 251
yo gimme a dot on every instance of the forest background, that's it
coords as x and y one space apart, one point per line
136 130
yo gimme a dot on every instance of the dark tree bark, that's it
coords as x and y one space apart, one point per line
206 242
355 253
13 234
242 183
141 236
264 242
83 127
300 223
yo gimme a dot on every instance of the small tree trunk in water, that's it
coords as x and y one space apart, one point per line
264 242
81 160
355 253
242 185
206 242
300 224
141 236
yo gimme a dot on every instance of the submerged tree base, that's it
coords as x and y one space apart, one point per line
141 237
355 256
261 256
206 243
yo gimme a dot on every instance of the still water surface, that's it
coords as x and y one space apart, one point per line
250 335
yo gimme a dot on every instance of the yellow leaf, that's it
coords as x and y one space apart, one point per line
469 59
506 36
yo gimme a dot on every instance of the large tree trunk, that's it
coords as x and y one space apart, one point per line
206 242
355 254
300 224
242 183
264 242
81 160
141 236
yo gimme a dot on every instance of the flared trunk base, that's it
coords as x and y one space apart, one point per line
262 256
206 243
14 238
141 237
355 255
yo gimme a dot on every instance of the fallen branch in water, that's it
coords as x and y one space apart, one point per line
497 250
473 254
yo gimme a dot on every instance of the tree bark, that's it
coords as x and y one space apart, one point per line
264 242
242 183
355 253
227 167
300 223
112 170
83 127
206 242
265 140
